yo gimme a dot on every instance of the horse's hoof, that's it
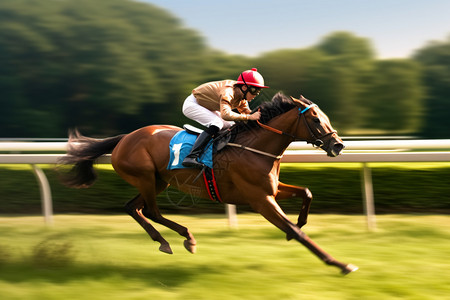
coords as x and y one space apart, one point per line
289 236
166 249
190 247
300 225
349 268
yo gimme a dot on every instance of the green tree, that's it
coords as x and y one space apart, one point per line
335 89
435 61
111 66
355 52
96 65
340 79
289 70
394 99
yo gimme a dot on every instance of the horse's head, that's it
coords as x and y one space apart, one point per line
315 128
296 119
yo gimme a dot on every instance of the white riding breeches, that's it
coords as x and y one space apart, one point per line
202 115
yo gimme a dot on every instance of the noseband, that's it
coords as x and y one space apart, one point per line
316 141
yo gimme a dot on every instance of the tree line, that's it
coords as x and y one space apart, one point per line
112 66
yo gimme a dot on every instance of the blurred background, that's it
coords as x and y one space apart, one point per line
112 66
109 67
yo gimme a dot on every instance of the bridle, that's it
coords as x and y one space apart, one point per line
316 141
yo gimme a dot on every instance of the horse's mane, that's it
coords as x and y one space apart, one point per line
280 104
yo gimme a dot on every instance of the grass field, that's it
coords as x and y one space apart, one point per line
111 257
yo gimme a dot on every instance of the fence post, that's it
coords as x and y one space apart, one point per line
46 194
367 188
232 217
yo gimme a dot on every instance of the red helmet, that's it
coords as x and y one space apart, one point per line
251 77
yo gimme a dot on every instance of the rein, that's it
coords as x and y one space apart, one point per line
316 141
255 150
275 130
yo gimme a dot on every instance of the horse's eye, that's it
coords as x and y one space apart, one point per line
316 120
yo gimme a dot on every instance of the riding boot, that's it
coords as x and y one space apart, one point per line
191 160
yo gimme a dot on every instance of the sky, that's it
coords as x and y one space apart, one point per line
396 28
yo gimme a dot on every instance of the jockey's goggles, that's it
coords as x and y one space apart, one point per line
254 90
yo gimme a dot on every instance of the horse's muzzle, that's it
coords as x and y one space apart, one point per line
335 149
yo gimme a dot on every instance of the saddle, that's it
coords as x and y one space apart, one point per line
219 142
181 145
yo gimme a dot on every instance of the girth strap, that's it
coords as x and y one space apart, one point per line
211 184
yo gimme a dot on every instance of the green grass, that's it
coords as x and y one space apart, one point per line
111 257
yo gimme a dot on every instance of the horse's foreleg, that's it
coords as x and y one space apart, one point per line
325 257
134 208
286 191
273 213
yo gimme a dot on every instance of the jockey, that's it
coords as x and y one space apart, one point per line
211 105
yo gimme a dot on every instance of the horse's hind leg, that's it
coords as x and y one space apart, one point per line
139 170
152 212
286 191
134 209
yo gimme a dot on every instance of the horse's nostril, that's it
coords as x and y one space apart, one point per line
338 147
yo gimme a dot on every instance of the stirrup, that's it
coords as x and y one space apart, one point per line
190 162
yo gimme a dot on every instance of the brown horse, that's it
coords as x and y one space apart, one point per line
246 171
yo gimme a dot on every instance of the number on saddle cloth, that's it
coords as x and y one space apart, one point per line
181 145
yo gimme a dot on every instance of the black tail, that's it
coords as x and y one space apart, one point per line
82 152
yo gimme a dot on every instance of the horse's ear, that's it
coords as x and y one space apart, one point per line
300 100
297 101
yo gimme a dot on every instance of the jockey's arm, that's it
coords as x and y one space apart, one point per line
244 108
228 114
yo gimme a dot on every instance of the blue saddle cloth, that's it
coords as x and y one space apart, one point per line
181 145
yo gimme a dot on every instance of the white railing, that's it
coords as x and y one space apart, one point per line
362 152
349 145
